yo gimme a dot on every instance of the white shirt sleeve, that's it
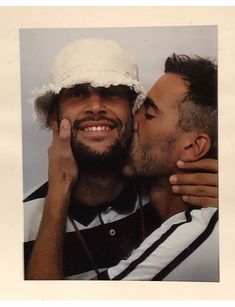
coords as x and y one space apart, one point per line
184 248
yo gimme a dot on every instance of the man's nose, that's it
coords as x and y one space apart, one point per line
95 104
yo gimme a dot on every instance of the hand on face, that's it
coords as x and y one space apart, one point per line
199 188
63 171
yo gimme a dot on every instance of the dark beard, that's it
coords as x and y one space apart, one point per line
148 168
106 163
138 174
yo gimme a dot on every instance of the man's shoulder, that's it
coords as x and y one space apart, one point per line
37 192
186 226
175 242
193 214
183 228
33 204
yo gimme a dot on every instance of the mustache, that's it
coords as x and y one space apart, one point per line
116 122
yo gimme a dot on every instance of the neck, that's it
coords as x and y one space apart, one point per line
164 201
95 190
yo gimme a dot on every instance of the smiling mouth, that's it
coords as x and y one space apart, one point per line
97 128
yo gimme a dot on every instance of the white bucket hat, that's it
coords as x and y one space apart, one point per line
100 62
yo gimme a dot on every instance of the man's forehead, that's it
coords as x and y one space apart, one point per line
171 80
170 87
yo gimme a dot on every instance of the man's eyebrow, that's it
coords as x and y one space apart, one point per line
150 103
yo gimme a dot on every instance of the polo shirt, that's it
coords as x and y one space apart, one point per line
111 230
184 248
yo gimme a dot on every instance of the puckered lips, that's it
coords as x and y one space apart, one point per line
96 127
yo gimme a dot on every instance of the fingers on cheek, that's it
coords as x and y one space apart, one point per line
65 155
176 189
65 135
196 179
197 191
210 165
204 164
193 200
179 189
181 179
65 129
201 201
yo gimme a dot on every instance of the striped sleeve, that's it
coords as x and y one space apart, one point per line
184 248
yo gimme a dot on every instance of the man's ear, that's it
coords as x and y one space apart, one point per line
52 119
195 146
52 116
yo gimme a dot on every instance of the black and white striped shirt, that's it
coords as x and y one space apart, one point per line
111 231
184 248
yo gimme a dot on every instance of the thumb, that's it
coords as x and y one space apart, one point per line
65 128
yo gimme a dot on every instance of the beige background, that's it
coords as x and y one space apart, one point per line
11 218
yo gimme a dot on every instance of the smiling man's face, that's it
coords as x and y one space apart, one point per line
101 124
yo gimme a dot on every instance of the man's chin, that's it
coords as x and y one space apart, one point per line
100 160
99 146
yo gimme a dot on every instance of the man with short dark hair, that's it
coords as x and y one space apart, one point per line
178 121
88 108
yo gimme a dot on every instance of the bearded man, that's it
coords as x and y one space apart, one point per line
88 107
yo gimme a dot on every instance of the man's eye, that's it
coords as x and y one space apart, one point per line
149 116
113 96
110 96
81 94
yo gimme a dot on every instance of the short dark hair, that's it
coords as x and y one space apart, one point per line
198 109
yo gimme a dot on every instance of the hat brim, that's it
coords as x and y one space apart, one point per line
43 97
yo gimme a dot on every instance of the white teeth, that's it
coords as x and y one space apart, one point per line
98 128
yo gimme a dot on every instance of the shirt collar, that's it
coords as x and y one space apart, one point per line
123 203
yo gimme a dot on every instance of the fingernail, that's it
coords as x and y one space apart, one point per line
175 188
173 179
180 163
185 198
65 123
